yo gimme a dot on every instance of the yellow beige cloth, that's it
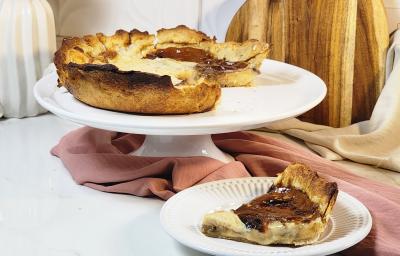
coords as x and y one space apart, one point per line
375 141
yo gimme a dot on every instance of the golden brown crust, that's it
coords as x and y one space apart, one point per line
235 78
318 189
181 35
104 86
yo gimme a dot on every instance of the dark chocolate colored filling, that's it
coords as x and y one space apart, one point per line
206 62
213 65
280 204
182 54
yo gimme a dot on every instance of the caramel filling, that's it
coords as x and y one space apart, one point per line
279 204
206 62
182 54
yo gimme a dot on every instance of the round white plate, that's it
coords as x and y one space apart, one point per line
281 91
181 217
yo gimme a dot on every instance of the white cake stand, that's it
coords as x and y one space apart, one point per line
281 91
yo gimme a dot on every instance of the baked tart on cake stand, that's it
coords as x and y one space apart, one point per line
177 87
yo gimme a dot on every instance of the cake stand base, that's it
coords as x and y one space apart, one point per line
182 146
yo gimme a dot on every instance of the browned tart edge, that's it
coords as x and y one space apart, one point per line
83 69
318 189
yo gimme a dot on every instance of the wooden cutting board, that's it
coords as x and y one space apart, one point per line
342 41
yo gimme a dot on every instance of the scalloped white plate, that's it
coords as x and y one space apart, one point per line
181 217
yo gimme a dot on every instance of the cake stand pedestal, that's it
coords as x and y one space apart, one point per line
182 146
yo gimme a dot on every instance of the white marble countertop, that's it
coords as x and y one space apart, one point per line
44 213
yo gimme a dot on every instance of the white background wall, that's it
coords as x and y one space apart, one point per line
78 17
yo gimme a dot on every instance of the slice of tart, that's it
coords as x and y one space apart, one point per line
295 211
176 71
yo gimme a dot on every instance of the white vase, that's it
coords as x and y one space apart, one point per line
27 45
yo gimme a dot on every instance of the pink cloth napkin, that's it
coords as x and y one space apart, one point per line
99 159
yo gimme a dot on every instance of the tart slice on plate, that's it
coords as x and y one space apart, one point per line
295 211
177 71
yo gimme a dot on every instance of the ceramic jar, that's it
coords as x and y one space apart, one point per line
27 45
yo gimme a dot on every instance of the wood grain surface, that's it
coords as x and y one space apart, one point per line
327 37
372 41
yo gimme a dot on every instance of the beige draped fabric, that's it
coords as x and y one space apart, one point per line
374 142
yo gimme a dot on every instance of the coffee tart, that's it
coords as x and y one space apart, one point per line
176 71
295 211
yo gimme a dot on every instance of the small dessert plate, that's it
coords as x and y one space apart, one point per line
182 214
